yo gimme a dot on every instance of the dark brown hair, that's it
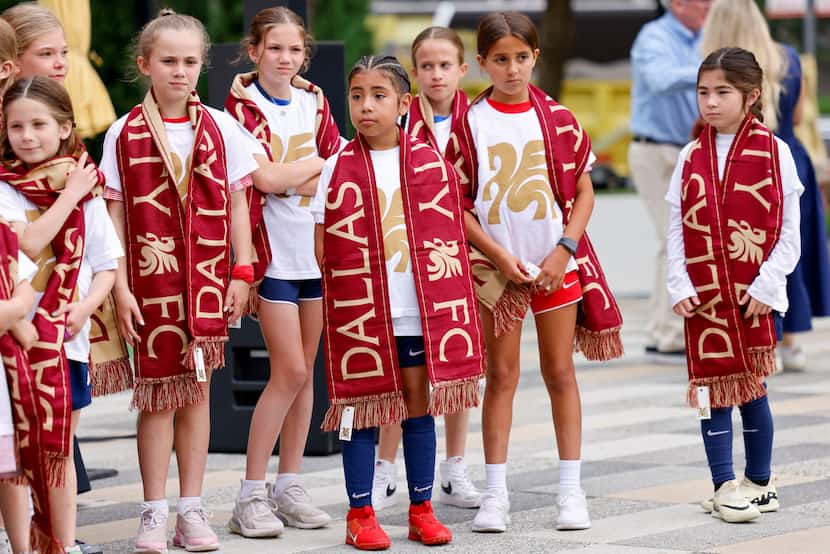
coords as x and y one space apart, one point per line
741 70
54 96
497 25
438 33
269 18
390 65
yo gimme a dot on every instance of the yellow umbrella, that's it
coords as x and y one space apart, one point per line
90 100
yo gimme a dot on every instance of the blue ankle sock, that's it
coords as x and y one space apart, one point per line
419 456
758 432
359 466
717 439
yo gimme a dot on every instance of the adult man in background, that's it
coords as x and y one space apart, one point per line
664 63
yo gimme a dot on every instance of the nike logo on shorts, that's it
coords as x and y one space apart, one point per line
417 353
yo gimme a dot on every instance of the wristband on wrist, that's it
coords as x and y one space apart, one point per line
568 244
243 273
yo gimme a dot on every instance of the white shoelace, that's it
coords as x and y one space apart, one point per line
463 484
262 503
150 519
197 516
297 493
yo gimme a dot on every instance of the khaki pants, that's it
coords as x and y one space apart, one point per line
651 168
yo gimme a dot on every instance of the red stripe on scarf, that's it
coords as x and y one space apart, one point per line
730 226
42 185
421 123
358 338
178 254
567 149
240 105
27 423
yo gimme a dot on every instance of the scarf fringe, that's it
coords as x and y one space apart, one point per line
111 377
727 390
510 308
18 480
252 305
454 396
167 393
599 345
55 471
42 542
369 411
213 351
762 360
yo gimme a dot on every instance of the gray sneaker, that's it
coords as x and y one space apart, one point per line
295 509
253 516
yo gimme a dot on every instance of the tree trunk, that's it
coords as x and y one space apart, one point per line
557 38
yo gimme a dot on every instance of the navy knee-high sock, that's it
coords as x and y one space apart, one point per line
359 466
758 432
419 456
717 439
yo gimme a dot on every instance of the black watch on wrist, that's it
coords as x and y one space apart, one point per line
568 244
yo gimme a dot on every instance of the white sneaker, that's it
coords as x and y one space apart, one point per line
384 485
5 547
494 514
765 498
253 516
152 533
573 511
456 488
730 504
295 509
793 358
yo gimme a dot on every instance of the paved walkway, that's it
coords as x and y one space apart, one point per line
644 469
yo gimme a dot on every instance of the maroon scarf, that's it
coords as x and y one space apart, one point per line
28 427
42 185
567 148
422 120
730 226
178 254
358 338
240 105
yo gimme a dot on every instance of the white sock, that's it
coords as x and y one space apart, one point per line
283 480
250 486
569 471
496 479
187 503
160 506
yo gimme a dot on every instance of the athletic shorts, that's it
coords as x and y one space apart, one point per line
284 291
569 293
80 384
410 351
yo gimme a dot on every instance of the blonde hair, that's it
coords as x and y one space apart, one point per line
8 51
740 23
30 22
169 19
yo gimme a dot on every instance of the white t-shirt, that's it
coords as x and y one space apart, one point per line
240 148
770 286
403 299
515 202
287 218
101 252
26 269
442 132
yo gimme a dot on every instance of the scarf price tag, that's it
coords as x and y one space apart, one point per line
704 406
199 360
346 423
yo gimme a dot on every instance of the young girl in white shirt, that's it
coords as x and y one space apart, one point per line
733 237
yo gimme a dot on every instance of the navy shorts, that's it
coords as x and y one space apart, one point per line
80 384
284 291
410 351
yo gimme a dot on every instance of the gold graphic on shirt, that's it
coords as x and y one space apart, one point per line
394 229
156 257
45 260
181 175
521 183
745 242
443 257
298 148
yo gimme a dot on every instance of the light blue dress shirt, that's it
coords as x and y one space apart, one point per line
664 61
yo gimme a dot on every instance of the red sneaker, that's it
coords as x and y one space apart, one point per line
424 527
363 530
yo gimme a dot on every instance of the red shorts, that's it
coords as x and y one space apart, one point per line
569 293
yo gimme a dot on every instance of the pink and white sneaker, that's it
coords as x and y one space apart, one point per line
152 533
193 532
